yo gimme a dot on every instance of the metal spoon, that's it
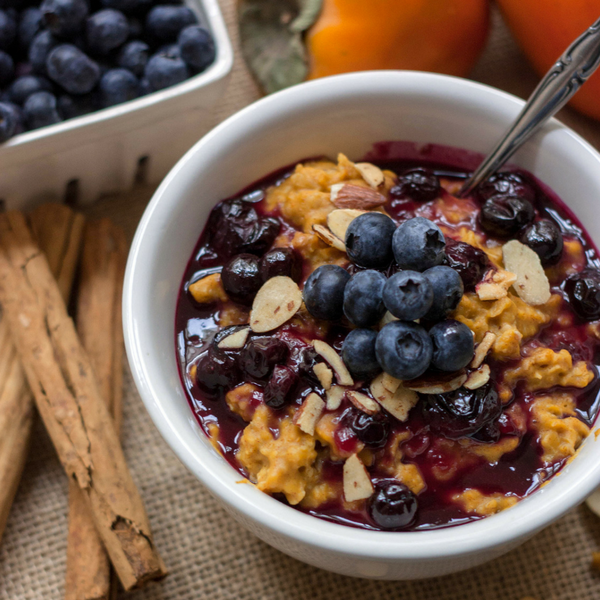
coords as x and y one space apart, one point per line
557 87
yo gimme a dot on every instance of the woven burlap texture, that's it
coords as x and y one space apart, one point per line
209 555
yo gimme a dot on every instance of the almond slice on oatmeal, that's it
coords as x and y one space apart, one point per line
478 378
441 385
329 238
482 349
495 285
235 340
357 483
324 375
372 174
339 219
277 301
397 403
391 384
363 402
309 413
335 362
335 395
531 283
356 196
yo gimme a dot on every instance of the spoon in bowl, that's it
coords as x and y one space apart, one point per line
557 87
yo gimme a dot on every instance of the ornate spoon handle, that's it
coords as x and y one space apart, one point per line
557 87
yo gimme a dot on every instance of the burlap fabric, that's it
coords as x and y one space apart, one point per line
210 556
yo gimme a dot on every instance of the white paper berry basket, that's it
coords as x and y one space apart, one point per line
102 151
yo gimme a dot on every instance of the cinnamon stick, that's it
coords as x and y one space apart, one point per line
68 399
102 269
59 237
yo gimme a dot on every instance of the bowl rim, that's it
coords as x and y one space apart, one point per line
521 521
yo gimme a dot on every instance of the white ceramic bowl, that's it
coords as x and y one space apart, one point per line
345 113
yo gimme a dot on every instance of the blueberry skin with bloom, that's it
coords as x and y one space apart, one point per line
128 6
20 89
8 29
418 244
64 18
9 121
30 24
164 70
324 292
41 46
448 289
7 68
408 295
358 354
197 47
70 106
453 345
118 86
73 70
40 110
164 22
363 302
369 240
403 349
106 30
134 57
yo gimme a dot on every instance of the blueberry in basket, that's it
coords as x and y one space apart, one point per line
95 56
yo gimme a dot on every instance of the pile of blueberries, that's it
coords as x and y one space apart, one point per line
66 58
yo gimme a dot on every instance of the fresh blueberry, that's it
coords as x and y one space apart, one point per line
403 349
64 18
170 50
145 87
9 120
545 239
241 278
583 291
41 45
448 289
324 292
106 30
136 28
70 107
20 89
7 68
260 355
369 240
363 302
134 56
118 86
281 383
30 24
469 262
393 505
163 71
418 184
128 6
40 110
408 295
197 47
164 22
280 262
418 244
505 216
452 345
217 370
8 29
371 430
73 70
358 354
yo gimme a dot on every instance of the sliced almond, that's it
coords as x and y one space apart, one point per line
593 502
371 174
277 301
478 378
236 340
324 375
391 384
329 238
531 284
356 196
309 413
339 219
335 361
363 402
441 385
495 285
398 403
357 483
482 349
335 395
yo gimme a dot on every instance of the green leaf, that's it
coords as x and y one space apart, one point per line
271 39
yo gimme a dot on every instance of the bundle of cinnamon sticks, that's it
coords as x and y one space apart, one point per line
73 377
